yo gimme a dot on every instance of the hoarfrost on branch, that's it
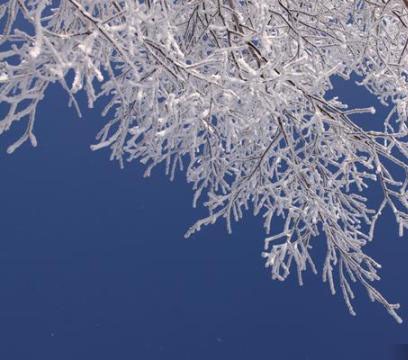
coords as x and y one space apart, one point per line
233 92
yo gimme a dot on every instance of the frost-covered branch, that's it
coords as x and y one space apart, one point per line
234 93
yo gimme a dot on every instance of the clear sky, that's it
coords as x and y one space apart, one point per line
93 265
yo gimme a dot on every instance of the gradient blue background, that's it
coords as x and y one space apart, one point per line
93 265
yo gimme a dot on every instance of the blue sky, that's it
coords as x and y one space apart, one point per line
94 265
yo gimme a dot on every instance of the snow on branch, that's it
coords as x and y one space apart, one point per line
234 94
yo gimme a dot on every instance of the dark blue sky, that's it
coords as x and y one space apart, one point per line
93 265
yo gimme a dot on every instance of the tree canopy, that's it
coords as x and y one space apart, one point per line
234 92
